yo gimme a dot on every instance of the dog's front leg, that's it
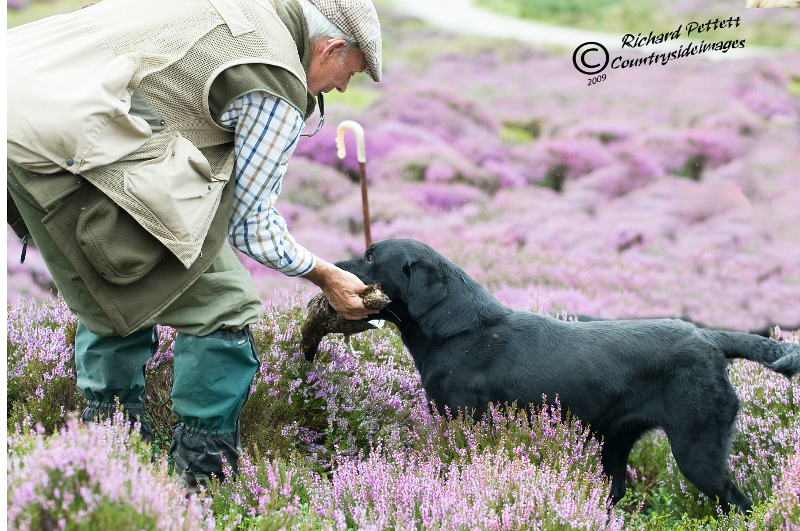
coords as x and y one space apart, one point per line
616 449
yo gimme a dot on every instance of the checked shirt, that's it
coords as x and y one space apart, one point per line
267 130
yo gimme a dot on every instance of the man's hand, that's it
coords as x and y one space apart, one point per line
341 288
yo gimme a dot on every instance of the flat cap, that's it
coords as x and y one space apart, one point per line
358 19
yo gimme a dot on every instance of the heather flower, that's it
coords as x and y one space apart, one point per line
440 197
94 477
445 114
17 4
768 425
40 362
338 404
388 201
606 131
766 95
481 477
561 159
438 171
321 148
785 513
264 492
410 163
312 185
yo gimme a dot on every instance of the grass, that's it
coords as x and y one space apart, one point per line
634 16
39 10
357 96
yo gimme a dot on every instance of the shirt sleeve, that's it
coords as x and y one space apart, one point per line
267 130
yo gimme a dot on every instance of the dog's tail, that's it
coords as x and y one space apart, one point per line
783 358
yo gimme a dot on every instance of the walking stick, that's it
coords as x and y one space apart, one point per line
362 167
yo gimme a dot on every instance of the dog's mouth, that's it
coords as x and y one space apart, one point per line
388 307
351 266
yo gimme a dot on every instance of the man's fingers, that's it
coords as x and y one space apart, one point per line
355 283
343 291
355 309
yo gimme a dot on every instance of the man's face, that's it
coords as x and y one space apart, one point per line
333 64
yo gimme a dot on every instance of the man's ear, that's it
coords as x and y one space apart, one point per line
426 289
332 44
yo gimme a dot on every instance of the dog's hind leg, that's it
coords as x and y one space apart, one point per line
701 450
706 466
616 449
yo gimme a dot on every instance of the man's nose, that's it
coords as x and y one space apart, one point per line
343 86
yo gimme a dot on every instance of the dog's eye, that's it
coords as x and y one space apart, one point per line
368 257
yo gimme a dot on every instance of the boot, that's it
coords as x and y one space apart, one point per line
199 455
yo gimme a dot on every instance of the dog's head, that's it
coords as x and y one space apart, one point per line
411 274
428 292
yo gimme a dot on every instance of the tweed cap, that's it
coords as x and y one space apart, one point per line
358 19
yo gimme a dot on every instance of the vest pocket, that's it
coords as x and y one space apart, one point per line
178 189
120 249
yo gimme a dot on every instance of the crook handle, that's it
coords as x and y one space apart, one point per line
359 132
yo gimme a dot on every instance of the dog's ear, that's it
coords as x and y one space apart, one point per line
426 288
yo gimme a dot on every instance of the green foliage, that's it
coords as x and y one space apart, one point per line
355 96
794 85
77 480
106 515
516 135
635 16
564 10
158 390
542 434
60 397
648 461
658 491
40 10
262 497
328 407
272 405
756 521
42 394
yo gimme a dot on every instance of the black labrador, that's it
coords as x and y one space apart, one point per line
621 378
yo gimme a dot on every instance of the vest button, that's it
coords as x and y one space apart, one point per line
162 122
70 162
